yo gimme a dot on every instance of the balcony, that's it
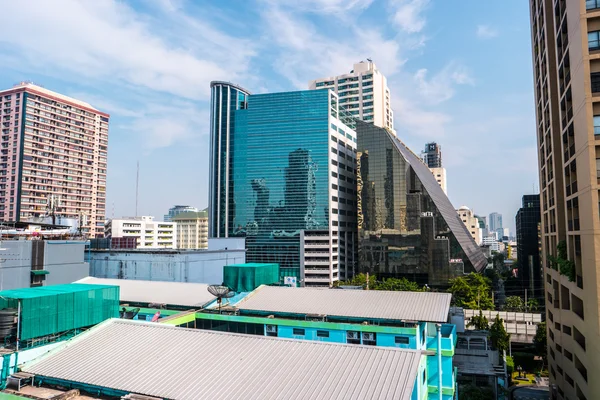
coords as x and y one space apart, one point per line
595 82
448 338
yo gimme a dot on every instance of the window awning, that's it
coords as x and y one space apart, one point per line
40 272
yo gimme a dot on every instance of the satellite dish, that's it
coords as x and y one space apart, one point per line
220 292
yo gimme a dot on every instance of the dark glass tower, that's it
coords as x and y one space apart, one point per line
290 161
528 221
407 226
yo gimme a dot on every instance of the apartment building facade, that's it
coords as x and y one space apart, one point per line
471 222
363 93
52 146
283 176
192 230
566 69
150 234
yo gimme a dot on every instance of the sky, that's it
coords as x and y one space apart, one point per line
459 73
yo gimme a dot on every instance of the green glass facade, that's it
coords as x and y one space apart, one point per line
275 186
407 227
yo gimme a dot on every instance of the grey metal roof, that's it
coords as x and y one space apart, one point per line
179 363
174 293
458 228
368 304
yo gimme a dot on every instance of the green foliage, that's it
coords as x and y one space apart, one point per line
510 365
532 305
472 392
359 280
472 291
498 336
525 361
561 263
479 322
540 341
394 284
514 303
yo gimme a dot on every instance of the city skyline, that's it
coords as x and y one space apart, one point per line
158 100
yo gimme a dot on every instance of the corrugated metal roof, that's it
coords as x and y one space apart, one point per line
174 293
180 363
368 304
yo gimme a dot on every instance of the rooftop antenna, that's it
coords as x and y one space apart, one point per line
220 292
137 186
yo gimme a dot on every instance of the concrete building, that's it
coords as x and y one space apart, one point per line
471 222
192 230
495 224
567 102
492 242
197 266
432 155
528 220
282 175
440 177
52 145
176 210
482 225
150 234
363 92
31 263
407 225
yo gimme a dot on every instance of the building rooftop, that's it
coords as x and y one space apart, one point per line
180 363
44 91
190 215
367 304
157 292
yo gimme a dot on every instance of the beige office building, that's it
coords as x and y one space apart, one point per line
471 222
566 62
192 230
363 92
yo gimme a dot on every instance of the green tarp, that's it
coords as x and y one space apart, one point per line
53 309
247 277
40 272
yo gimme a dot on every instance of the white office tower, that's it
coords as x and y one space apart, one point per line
363 92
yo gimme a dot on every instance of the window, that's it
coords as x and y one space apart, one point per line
401 340
323 334
591 4
594 40
298 332
353 337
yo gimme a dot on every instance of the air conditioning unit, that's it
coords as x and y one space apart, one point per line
368 336
352 335
271 328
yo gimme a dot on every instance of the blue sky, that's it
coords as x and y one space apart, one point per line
459 73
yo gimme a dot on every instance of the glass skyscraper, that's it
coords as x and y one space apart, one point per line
407 226
283 177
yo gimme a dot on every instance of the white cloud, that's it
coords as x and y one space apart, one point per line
325 6
442 86
408 15
486 32
107 40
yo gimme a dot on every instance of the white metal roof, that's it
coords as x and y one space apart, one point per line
179 363
174 293
368 304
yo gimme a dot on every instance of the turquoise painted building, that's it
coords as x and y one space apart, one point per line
406 320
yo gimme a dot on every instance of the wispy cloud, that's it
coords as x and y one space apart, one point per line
441 86
408 14
486 32
325 6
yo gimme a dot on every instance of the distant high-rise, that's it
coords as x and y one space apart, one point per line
471 222
407 226
175 210
363 92
432 155
528 221
283 176
54 150
565 47
495 224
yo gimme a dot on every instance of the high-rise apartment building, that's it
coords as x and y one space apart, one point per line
471 222
407 225
566 70
149 234
432 157
54 149
495 224
192 230
176 210
363 92
528 245
283 176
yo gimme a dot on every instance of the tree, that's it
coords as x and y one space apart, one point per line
532 305
540 341
360 280
479 322
472 291
514 303
394 284
498 336
472 392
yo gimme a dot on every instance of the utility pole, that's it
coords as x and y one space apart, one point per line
525 300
